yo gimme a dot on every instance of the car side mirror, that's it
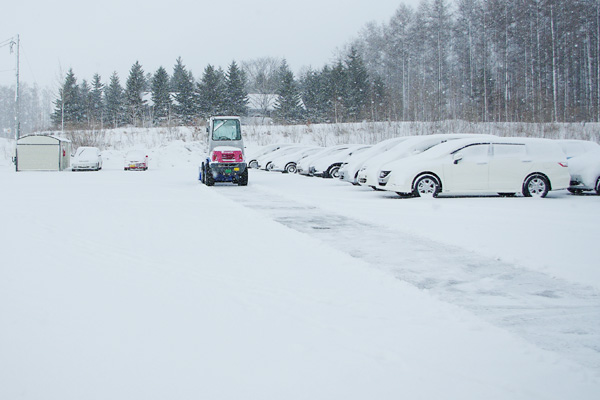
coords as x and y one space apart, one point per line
457 157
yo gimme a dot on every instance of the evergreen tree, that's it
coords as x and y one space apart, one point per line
67 107
96 113
134 91
161 96
211 92
114 101
312 96
288 107
336 90
357 87
84 103
182 85
236 101
379 100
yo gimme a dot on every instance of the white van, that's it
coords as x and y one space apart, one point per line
506 166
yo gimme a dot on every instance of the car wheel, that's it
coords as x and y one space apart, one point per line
253 164
291 168
209 180
427 186
536 186
243 181
334 171
268 167
598 186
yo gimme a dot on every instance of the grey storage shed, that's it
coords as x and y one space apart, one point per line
43 153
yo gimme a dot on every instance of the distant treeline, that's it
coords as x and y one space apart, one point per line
343 92
489 60
475 60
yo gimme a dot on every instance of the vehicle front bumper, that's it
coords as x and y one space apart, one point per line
227 171
577 183
84 167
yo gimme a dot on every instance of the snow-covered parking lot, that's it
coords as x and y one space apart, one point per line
149 285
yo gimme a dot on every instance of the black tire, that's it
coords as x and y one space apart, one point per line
598 186
268 167
243 180
210 179
253 164
333 172
291 168
202 174
536 185
427 186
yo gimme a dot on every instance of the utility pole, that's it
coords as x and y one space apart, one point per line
17 98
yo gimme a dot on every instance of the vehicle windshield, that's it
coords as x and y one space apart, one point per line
85 151
226 129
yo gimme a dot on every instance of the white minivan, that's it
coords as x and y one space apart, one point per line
506 166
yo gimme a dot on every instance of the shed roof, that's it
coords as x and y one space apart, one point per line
41 139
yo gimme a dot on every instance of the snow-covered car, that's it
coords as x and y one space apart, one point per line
303 167
506 166
368 174
585 172
584 164
136 160
349 169
264 162
254 155
326 164
87 159
288 161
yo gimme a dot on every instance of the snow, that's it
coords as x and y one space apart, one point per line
151 285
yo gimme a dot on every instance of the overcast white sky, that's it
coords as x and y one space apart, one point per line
110 35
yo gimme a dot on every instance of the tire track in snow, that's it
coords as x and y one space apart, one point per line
554 314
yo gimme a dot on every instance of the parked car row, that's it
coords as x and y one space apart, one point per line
90 159
448 164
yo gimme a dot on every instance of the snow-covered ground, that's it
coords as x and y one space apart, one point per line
130 285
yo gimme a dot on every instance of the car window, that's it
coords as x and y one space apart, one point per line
475 152
509 150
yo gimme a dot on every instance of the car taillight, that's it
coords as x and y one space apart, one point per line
214 156
563 164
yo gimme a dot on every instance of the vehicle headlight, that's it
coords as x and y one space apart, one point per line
384 174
